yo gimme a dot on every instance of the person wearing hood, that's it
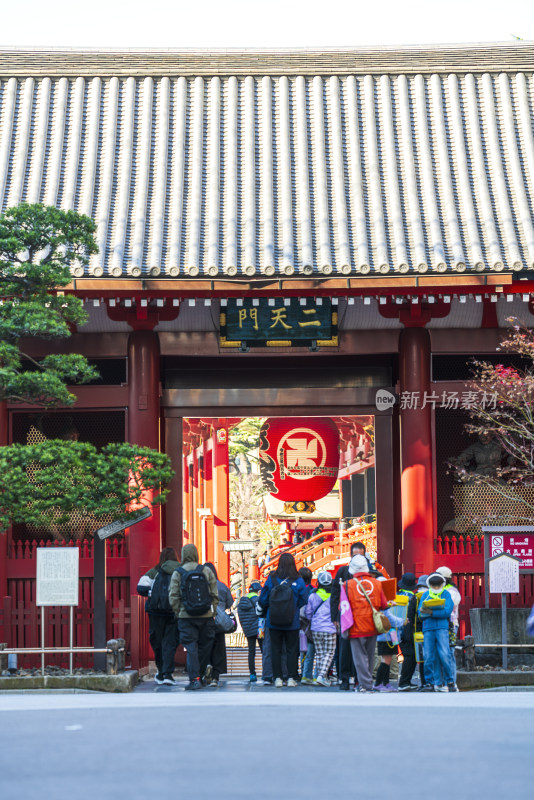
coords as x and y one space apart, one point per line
194 600
362 634
407 643
435 616
323 630
162 626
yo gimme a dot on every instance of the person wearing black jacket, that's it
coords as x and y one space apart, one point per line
345 664
246 611
162 624
407 645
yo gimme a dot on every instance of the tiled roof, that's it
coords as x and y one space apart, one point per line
396 168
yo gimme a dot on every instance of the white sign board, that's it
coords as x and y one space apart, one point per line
57 576
503 574
238 545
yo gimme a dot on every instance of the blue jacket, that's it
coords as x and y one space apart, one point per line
440 616
300 593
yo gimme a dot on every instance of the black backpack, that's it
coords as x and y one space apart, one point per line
158 598
195 591
281 604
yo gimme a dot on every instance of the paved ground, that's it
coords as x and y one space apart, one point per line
288 743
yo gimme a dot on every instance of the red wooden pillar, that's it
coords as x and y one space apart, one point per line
143 429
211 547
416 451
385 523
4 435
187 501
221 499
196 533
173 508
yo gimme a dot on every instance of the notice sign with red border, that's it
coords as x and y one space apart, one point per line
515 541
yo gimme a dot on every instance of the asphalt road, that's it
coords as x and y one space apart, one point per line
279 744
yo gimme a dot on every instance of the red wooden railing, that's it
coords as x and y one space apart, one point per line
20 623
316 553
464 555
20 626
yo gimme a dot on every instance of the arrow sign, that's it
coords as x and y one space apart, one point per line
122 524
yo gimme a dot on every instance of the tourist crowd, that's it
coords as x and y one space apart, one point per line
336 630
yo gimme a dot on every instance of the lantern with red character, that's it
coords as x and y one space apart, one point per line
299 459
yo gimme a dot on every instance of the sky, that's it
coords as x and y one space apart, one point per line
273 23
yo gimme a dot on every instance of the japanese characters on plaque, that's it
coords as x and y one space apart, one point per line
282 322
57 576
520 545
503 574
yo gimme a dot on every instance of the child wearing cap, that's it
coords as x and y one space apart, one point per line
454 622
435 608
246 611
322 628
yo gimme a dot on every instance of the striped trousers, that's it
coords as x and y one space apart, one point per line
325 647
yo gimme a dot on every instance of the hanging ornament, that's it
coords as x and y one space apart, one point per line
299 459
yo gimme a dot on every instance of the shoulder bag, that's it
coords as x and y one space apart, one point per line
381 622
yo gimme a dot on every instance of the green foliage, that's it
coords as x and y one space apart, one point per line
244 439
38 245
47 481
44 484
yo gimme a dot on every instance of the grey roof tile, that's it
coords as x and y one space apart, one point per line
262 174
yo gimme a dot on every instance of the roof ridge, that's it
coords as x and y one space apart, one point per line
385 59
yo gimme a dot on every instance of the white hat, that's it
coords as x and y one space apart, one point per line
445 571
358 564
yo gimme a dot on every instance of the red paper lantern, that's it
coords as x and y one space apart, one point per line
299 457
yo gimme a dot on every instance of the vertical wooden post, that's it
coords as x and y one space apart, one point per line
504 637
99 599
4 436
173 509
416 452
385 522
143 429
221 500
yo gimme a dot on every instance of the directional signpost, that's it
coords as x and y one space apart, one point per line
99 588
122 524
240 546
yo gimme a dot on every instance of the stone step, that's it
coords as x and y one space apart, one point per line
237 661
